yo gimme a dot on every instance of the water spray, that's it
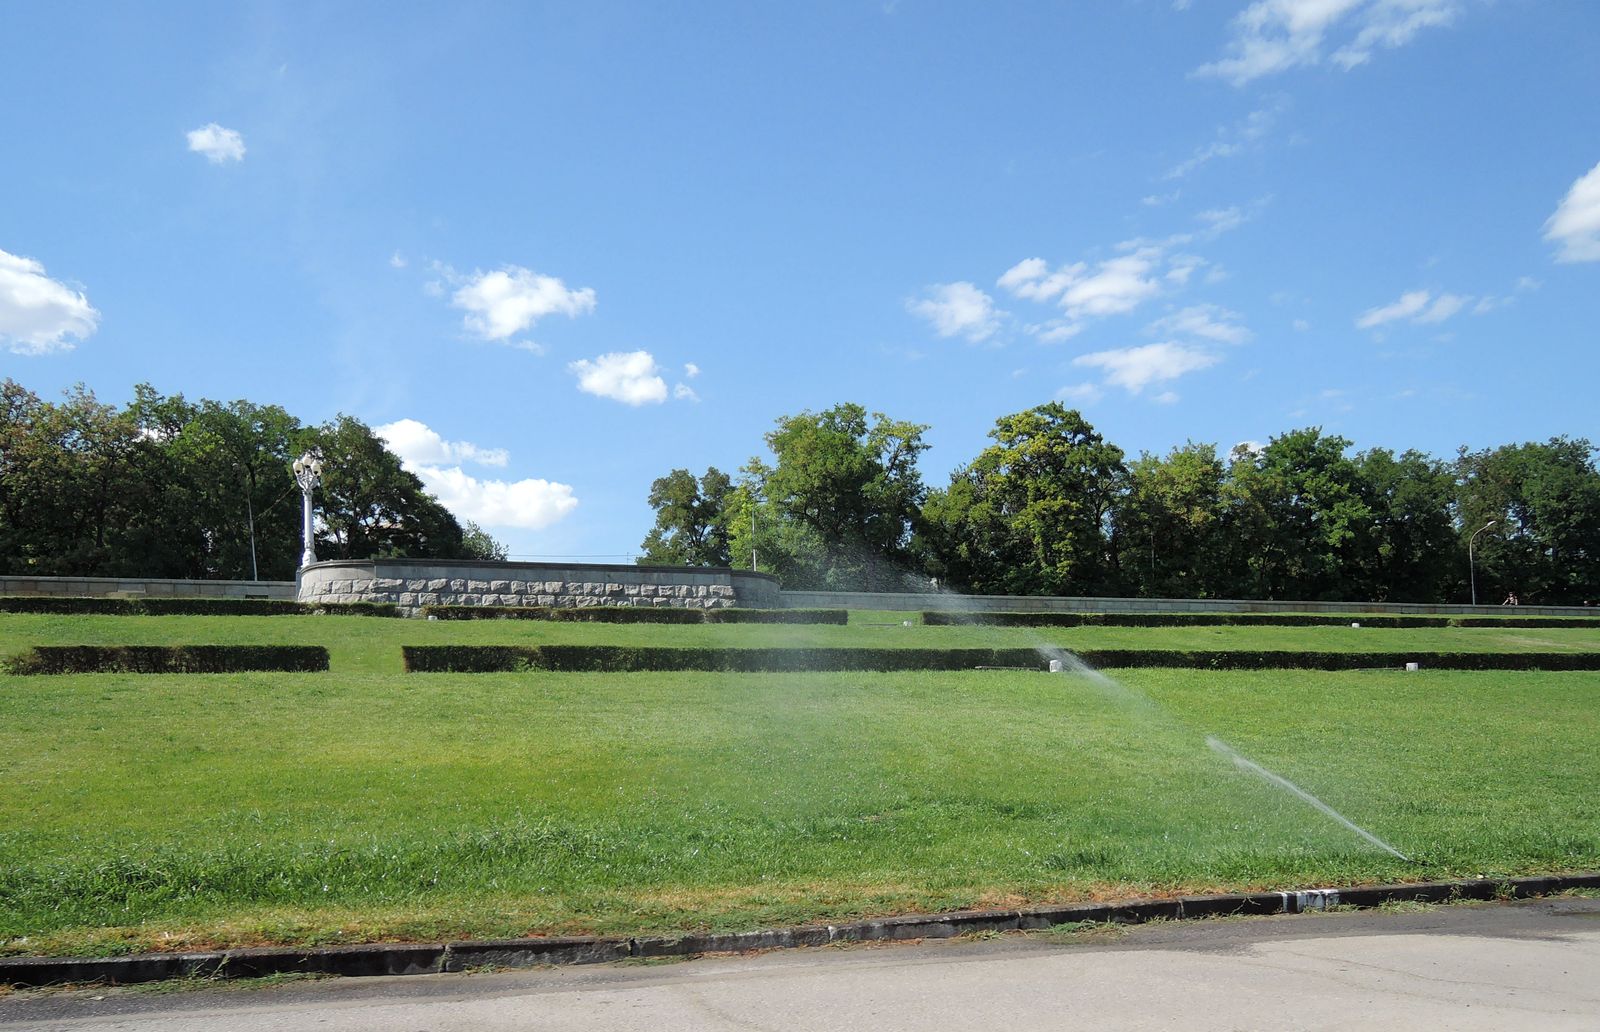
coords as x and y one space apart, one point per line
1245 763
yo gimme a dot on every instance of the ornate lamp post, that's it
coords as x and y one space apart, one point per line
308 474
1472 570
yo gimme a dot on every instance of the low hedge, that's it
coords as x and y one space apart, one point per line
947 619
167 659
476 659
73 606
638 614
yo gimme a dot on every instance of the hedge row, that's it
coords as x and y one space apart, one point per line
947 619
166 659
474 659
67 606
482 659
638 614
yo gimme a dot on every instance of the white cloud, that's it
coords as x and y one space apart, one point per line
1133 369
1418 306
1301 326
1112 287
38 315
1391 24
418 444
1272 36
397 261
629 377
1576 222
1443 307
219 145
507 301
957 309
683 392
1408 305
1166 398
530 504
1211 322
1080 394
1231 141
690 370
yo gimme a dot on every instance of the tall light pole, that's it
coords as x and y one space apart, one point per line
1472 571
308 473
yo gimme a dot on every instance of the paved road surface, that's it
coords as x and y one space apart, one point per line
1494 966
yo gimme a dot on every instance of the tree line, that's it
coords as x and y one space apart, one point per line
1052 508
166 487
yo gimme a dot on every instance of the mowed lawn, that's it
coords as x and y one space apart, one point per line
372 645
175 811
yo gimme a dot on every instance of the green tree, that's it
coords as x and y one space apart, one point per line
1298 517
1412 553
477 543
370 506
1170 524
691 524
1545 499
843 494
1033 512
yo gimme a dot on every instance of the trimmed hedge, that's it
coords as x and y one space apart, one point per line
948 619
167 659
476 659
71 606
638 614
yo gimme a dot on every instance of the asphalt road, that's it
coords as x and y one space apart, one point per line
1533 965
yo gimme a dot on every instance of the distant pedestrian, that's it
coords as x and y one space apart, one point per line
1511 599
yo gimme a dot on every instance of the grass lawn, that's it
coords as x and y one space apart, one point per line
176 811
372 645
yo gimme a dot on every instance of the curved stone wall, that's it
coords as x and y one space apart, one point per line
412 583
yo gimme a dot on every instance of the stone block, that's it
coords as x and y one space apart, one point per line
469 599
613 588
457 584
479 586
492 600
407 598
499 587
630 590
427 598
547 600
388 584
416 585
437 584
519 587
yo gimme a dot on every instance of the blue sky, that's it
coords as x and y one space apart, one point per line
558 250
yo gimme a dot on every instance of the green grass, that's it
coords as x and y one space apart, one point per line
364 645
177 811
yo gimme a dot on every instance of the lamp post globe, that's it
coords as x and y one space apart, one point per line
308 474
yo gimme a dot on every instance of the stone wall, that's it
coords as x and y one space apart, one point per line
413 583
138 587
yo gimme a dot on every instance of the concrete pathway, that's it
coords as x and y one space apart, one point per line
1532 965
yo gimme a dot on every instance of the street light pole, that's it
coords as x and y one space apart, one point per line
1472 571
308 473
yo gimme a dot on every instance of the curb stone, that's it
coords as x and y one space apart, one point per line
433 958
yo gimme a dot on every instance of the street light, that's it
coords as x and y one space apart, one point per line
308 473
1472 572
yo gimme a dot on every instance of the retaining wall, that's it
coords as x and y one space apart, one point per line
907 601
108 587
413 583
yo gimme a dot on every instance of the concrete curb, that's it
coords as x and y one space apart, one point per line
434 958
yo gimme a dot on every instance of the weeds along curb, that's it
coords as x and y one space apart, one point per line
466 955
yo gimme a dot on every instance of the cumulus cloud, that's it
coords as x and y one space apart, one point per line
505 302
1134 369
531 504
1272 36
1575 226
219 145
683 392
1418 306
1080 394
631 377
1110 287
39 315
419 444
1211 322
690 370
957 310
